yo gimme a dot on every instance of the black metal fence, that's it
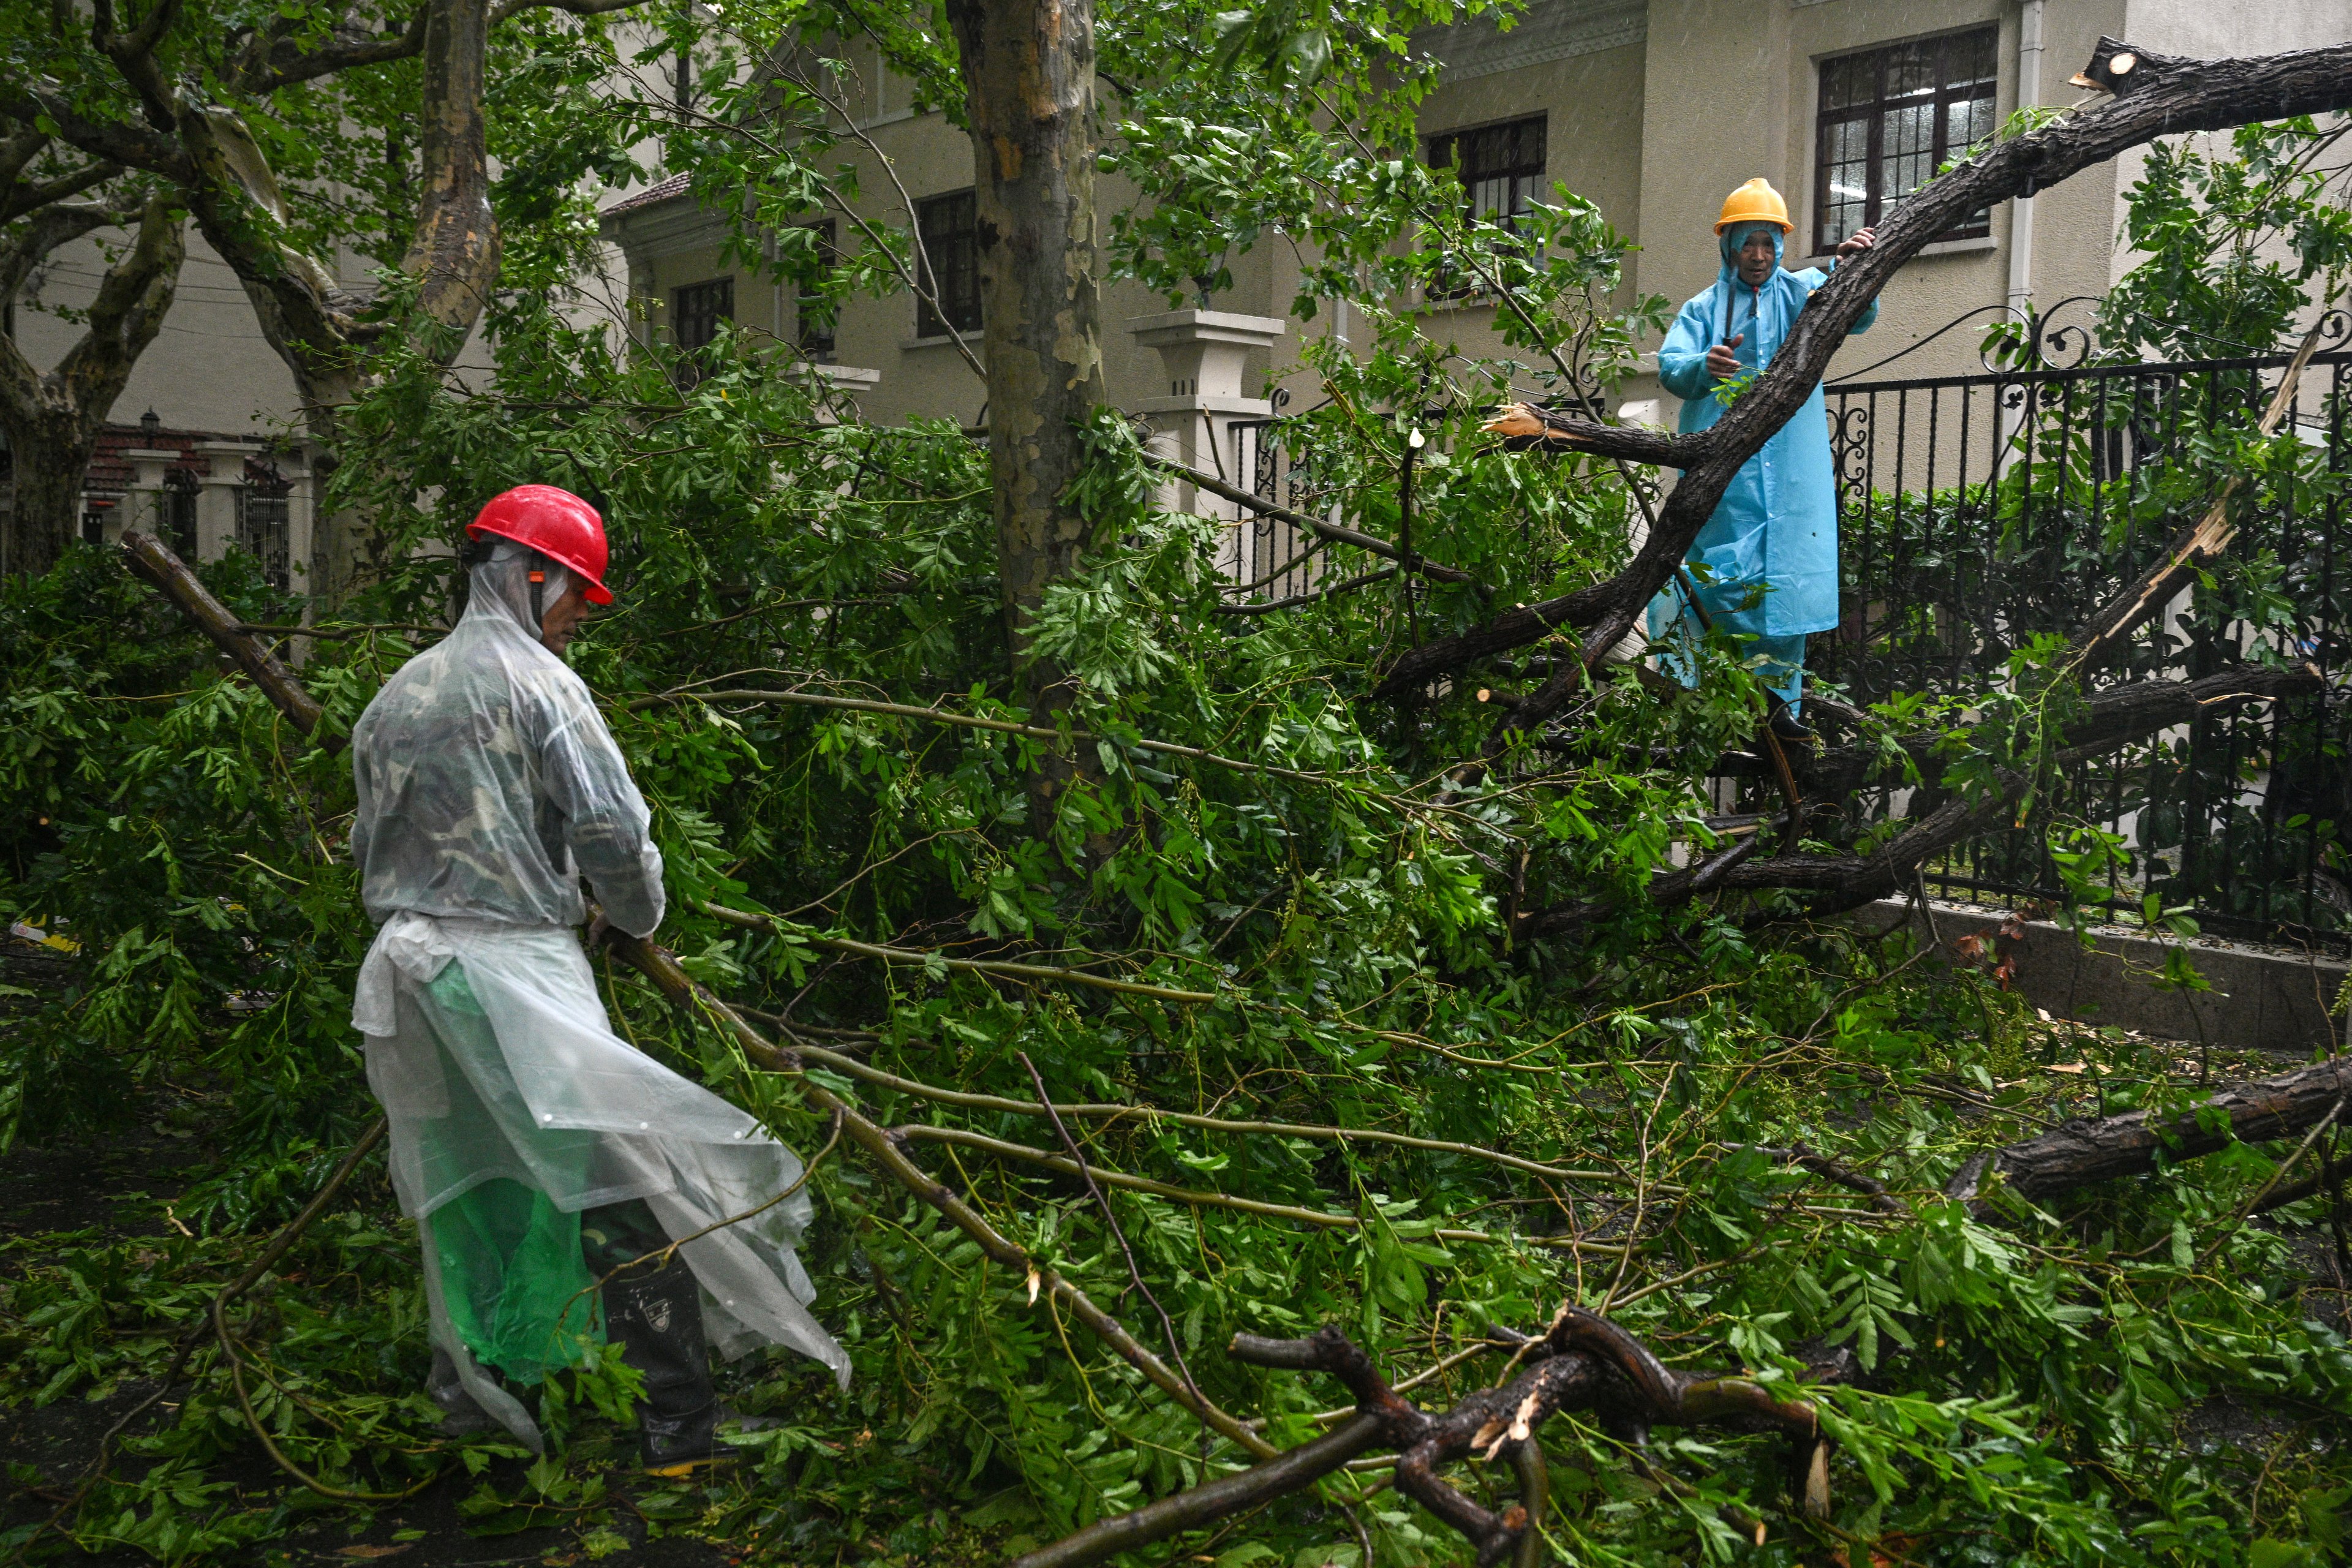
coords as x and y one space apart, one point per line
1980 514
1269 556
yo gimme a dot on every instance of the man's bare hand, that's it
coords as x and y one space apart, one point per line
1721 363
599 929
1859 242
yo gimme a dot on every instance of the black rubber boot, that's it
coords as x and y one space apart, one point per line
657 1318
1786 725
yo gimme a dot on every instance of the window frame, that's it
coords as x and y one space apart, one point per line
686 313
949 223
1872 113
1448 150
264 526
815 344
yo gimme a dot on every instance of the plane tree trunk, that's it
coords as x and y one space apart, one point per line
53 417
1028 71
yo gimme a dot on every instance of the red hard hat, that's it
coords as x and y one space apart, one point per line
556 523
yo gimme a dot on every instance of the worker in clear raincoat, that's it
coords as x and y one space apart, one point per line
1766 564
549 1167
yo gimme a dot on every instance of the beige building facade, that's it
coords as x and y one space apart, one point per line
1652 108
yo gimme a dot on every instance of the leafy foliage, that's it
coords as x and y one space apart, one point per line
1395 1114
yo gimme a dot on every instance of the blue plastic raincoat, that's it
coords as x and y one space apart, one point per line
1776 527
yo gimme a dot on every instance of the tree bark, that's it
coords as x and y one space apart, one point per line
1583 1361
2081 1153
53 418
2166 97
1028 70
149 558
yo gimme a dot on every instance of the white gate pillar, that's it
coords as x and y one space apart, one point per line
1204 354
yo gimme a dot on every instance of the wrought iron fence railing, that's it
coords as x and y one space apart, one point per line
1269 556
1979 513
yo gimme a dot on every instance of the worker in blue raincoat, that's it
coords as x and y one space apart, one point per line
1766 564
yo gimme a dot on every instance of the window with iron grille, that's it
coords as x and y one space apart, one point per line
695 312
949 228
1890 117
262 529
816 317
1501 168
179 519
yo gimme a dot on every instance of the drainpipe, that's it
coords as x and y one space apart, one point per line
2020 208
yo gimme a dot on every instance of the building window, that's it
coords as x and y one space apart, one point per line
1501 168
950 266
695 312
179 507
1890 119
94 527
263 519
816 317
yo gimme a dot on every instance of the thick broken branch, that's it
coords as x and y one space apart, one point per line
170 576
1583 1361
2111 718
2130 1145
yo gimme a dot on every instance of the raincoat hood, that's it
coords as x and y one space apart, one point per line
499 588
1730 241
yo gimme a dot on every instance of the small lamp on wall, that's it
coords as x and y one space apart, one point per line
151 428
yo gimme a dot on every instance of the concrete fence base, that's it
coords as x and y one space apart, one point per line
2270 998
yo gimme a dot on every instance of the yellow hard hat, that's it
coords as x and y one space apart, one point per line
1755 201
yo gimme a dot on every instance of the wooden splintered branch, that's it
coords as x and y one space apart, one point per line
2203 543
1583 1361
148 556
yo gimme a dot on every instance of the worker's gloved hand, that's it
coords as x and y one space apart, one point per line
1721 363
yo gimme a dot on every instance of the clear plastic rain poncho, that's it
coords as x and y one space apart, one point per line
487 786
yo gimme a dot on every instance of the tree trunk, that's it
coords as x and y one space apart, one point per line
1028 73
53 418
51 455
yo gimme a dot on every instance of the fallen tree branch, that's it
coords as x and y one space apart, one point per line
2203 543
1334 532
280 1245
963 720
1111 1219
1320 1218
904 955
148 557
2110 718
1583 1361
2080 1153
660 966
